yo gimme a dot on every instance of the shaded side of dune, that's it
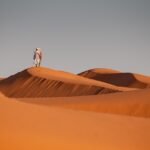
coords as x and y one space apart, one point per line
119 79
24 84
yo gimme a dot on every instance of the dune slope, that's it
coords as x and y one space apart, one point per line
34 127
117 78
43 82
133 103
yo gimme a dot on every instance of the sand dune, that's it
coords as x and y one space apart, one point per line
34 127
117 78
44 82
39 118
2 95
1 79
133 103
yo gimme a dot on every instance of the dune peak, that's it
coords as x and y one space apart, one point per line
45 82
123 79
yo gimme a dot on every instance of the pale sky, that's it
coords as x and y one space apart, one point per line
75 35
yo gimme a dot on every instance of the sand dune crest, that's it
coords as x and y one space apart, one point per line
44 82
117 78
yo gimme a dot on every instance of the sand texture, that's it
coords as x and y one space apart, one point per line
99 109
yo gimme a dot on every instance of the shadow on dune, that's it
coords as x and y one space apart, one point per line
118 79
26 84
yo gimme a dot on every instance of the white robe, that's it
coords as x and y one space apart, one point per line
37 58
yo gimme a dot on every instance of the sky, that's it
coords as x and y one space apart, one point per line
75 35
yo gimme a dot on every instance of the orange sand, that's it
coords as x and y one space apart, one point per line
131 80
133 103
40 119
44 82
33 127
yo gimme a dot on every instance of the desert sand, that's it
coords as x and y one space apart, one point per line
44 82
114 77
42 108
132 103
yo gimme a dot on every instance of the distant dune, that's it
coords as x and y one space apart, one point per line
117 78
1 79
44 82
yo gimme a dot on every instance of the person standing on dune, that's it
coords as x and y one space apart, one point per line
37 57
